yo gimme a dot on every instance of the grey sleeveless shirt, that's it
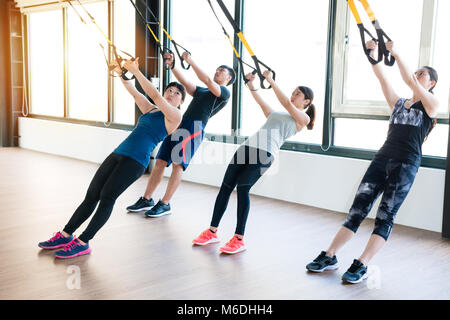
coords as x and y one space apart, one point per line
279 127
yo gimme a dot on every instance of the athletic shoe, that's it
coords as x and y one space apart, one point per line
235 245
57 241
322 263
356 273
160 209
206 237
141 205
73 249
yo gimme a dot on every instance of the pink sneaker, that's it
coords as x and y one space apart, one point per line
206 237
233 246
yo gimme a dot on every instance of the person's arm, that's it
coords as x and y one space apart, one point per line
202 76
190 87
429 101
264 106
171 113
299 116
141 101
388 92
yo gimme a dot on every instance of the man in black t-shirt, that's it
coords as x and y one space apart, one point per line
179 147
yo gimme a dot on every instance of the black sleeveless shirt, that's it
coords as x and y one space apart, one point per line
407 131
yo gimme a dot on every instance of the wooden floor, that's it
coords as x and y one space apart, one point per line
137 258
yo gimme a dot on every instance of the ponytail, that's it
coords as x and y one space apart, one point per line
311 112
311 109
433 77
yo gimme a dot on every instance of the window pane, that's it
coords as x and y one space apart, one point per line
88 73
124 30
295 48
209 47
360 133
404 30
46 66
440 55
437 141
371 134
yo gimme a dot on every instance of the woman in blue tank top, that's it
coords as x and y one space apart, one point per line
124 165
393 169
254 157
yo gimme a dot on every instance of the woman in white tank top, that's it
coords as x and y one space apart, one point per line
256 154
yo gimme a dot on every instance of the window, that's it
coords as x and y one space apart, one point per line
87 69
357 94
361 92
289 39
124 39
209 47
440 59
46 65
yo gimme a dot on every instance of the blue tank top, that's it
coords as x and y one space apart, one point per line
149 131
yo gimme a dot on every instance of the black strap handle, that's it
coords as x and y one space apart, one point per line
362 32
260 75
389 60
176 45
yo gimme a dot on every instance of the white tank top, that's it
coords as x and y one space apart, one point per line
279 127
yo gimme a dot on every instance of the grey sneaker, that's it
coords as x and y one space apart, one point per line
160 209
322 263
141 205
356 273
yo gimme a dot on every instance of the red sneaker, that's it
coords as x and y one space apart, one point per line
206 237
235 245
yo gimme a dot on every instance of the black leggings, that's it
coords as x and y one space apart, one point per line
246 167
113 177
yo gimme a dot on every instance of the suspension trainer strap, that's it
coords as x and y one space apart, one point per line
380 34
240 35
117 57
162 48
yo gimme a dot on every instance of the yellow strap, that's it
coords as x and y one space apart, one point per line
231 43
368 10
241 36
167 34
151 31
352 6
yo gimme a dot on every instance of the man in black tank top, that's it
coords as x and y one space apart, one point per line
393 169
179 147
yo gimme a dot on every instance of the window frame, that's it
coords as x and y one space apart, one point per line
333 87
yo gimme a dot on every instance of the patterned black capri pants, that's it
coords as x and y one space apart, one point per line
391 177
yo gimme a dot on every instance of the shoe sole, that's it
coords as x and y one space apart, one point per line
233 252
332 267
139 210
51 248
207 242
158 215
365 276
75 255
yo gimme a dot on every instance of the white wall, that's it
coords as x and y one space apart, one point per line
321 181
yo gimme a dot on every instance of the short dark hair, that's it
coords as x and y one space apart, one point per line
230 72
179 86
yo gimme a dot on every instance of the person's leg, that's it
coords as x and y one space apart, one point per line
400 181
126 172
155 178
85 209
369 189
174 182
228 184
246 180
234 169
